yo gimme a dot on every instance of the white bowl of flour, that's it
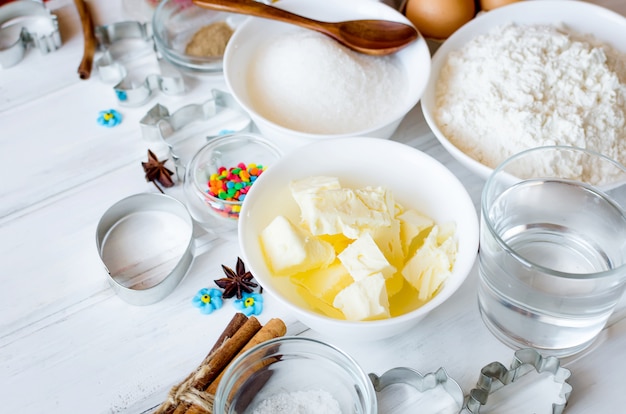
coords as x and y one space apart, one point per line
530 74
300 86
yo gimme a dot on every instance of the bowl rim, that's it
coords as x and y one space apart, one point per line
370 396
206 64
419 47
517 12
215 142
464 261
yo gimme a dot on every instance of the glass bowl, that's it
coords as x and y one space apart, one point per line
175 22
220 174
292 371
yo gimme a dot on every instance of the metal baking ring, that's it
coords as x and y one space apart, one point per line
121 214
43 33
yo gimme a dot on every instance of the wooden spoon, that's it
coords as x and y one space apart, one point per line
372 37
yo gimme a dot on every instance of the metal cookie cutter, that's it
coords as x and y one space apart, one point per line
423 384
26 23
492 377
139 43
495 376
219 115
147 246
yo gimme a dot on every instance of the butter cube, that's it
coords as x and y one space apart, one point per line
363 258
364 299
431 264
342 211
412 223
378 199
290 249
311 185
388 240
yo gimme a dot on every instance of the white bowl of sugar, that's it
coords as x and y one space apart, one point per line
300 86
530 74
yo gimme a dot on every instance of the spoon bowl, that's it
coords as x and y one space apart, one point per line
370 36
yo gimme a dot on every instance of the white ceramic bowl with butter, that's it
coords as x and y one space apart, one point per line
579 16
256 33
416 180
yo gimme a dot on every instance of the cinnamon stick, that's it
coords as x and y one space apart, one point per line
272 329
195 394
225 354
172 405
84 69
233 326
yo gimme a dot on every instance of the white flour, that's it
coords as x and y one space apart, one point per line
310 83
299 402
518 87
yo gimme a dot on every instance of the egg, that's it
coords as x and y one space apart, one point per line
493 4
438 19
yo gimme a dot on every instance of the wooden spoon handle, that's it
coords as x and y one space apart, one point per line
258 9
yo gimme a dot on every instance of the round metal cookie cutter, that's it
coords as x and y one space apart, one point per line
146 244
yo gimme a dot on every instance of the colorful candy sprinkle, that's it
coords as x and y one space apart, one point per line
231 184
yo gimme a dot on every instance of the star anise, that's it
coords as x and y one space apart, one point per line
235 283
156 171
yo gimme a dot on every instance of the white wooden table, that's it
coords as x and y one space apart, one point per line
68 344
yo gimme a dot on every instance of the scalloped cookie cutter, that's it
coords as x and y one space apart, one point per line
111 66
26 23
495 376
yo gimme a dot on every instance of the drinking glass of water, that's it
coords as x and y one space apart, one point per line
552 248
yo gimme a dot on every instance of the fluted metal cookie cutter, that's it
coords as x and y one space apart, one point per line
495 376
112 64
26 23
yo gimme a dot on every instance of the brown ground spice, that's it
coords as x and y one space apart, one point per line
210 40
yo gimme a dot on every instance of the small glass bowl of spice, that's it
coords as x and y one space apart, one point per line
295 375
222 172
191 37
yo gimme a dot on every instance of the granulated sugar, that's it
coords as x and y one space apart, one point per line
308 82
299 402
518 87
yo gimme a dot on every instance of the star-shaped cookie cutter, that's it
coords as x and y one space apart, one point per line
26 23
111 66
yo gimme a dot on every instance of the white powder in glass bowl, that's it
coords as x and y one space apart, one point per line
307 82
524 86
299 402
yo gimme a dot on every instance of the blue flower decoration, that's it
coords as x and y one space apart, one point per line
121 95
250 304
109 118
208 300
